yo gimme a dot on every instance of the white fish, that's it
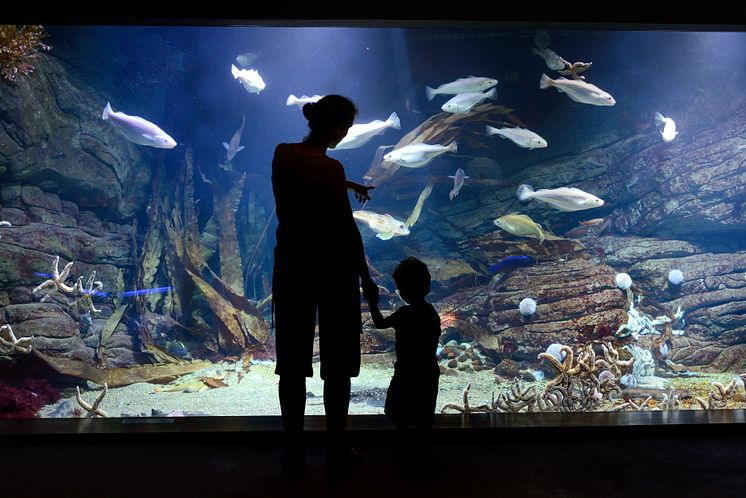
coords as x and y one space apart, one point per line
520 136
461 85
249 78
247 59
463 102
235 146
563 198
360 134
669 127
552 60
458 182
578 90
302 100
418 155
385 225
138 130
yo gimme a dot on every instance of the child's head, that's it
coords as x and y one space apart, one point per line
412 278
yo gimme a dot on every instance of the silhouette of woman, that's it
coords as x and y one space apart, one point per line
319 265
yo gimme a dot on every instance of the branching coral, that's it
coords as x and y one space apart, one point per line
92 410
19 46
13 344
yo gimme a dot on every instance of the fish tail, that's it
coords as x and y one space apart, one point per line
545 82
107 111
393 121
453 147
292 99
234 71
524 192
659 119
452 194
429 92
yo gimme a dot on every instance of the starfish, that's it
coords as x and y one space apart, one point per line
14 344
92 287
57 282
565 370
465 409
93 409
574 69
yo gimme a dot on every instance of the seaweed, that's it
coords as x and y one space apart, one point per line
19 46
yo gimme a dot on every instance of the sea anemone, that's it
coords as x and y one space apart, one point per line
527 307
623 281
675 277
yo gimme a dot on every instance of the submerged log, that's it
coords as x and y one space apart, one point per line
114 377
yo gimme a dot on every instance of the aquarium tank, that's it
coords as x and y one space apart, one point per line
578 196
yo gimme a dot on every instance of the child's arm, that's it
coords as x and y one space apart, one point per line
378 320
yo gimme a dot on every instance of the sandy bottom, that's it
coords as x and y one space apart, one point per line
256 394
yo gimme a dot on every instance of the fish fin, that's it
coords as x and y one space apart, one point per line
240 148
385 236
659 119
235 71
465 177
225 144
393 121
545 82
492 94
453 177
429 92
107 111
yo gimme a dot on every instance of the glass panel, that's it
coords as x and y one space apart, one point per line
577 196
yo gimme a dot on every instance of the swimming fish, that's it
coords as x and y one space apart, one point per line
461 85
520 225
302 100
519 136
415 214
463 102
360 134
385 225
590 223
249 78
418 155
509 262
669 127
234 147
578 90
247 59
138 130
458 182
563 198
552 60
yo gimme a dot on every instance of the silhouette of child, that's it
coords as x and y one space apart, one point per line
412 393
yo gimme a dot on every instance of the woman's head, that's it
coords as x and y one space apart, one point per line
329 119
412 278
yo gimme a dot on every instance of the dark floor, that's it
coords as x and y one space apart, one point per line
628 454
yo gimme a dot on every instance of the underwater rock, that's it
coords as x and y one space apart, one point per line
59 142
578 299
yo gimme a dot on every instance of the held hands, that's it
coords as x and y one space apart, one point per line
370 291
